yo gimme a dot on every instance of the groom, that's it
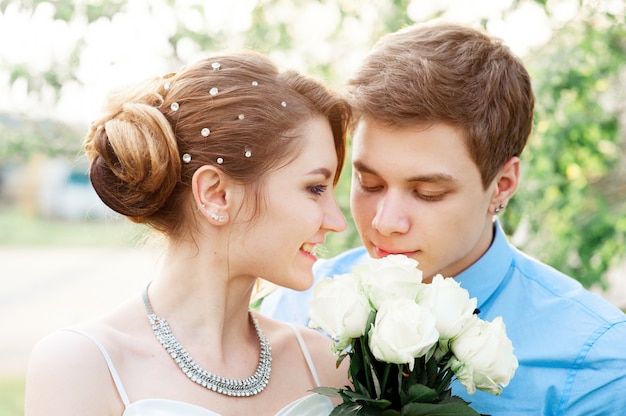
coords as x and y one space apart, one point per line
443 114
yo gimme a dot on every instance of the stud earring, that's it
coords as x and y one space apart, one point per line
216 217
497 209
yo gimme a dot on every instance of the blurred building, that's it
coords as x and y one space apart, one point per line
42 171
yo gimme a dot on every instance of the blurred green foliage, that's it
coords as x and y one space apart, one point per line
570 208
21 138
18 228
12 396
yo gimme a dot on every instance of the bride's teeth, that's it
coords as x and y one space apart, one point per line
309 248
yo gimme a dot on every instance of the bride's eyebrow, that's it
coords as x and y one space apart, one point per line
322 171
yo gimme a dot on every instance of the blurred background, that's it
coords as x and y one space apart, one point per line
64 257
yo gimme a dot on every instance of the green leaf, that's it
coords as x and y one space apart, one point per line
341 358
328 391
359 398
351 409
443 409
419 393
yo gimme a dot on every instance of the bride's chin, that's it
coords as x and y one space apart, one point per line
303 281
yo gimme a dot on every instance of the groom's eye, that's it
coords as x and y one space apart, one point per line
430 197
370 188
368 185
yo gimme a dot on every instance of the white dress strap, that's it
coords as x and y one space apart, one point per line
116 378
306 353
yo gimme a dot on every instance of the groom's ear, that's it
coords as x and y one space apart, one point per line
507 181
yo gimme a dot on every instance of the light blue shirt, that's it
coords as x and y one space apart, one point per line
570 343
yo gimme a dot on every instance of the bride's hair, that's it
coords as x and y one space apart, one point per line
237 112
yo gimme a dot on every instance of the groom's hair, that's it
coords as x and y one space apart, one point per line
453 74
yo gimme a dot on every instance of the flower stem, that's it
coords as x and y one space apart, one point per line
383 386
444 381
367 369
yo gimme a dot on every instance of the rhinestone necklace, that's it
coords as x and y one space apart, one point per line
227 386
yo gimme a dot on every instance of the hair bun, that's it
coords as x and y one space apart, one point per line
135 160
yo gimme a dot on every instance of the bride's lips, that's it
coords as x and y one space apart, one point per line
309 250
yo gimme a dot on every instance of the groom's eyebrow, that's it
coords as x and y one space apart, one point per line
430 177
362 167
433 178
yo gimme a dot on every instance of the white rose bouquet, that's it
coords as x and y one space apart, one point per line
407 341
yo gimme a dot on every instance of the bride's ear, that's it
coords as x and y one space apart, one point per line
210 188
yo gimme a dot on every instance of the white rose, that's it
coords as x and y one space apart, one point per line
483 356
340 308
449 303
402 331
392 277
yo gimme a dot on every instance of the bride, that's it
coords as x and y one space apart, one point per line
234 163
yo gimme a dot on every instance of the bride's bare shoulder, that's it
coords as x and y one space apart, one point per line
66 374
67 371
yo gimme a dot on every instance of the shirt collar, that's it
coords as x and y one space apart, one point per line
482 278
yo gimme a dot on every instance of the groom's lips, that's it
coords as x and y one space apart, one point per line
380 253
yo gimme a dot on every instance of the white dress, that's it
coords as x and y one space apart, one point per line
310 405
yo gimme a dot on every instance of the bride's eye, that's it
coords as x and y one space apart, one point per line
318 189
